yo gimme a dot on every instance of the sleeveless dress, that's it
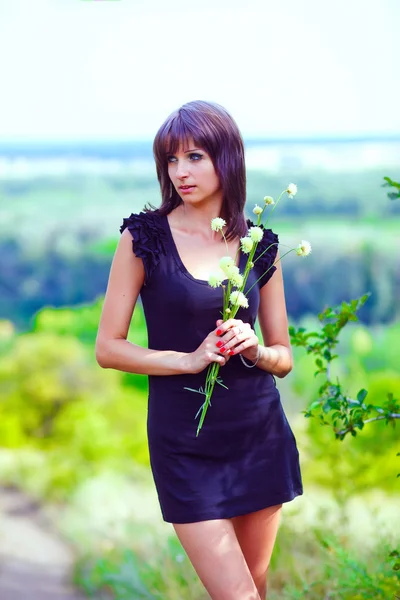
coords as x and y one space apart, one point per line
245 457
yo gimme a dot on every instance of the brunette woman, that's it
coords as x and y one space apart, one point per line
223 490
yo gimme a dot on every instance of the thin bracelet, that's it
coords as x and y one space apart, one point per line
254 364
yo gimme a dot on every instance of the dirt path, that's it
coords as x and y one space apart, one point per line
35 564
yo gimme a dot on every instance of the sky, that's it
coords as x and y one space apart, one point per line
98 69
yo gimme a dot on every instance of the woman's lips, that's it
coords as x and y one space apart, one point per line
187 189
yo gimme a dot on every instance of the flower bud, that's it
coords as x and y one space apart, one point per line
256 234
246 244
225 263
238 299
237 280
304 248
217 224
215 280
269 200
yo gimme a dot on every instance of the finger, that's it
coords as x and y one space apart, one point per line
244 345
236 334
219 322
239 343
218 358
226 325
231 339
232 334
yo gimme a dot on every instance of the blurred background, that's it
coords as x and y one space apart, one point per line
85 85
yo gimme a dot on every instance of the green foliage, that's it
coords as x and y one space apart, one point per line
40 377
82 322
60 410
343 575
345 414
319 563
127 573
33 279
392 184
66 262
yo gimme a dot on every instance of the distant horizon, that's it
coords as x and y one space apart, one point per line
262 139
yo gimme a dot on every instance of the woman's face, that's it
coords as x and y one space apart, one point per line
193 175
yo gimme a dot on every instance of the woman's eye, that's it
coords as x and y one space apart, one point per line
171 159
195 156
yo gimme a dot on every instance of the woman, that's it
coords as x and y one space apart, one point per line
224 489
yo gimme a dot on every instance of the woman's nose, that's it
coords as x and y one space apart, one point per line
181 170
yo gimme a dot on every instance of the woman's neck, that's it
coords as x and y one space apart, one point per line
197 218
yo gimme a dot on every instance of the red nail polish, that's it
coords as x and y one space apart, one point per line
223 350
220 344
219 331
231 352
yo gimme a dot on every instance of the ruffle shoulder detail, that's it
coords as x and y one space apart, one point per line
149 239
265 254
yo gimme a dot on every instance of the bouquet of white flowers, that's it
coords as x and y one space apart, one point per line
234 294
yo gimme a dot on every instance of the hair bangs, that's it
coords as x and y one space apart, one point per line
178 132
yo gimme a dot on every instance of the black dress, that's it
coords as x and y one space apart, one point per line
245 457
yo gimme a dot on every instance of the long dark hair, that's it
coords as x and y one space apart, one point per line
212 128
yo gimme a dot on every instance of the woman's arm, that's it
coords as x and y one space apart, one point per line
276 355
113 351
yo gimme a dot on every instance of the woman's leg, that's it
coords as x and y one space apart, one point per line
256 533
214 551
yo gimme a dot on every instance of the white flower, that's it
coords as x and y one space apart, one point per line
237 280
246 244
238 298
291 190
226 262
217 224
232 271
304 248
257 210
228 311
256 234
269 200
216 278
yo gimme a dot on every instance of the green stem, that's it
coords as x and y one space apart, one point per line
274 207
248 267
226 243
276 262
245 277
226 302
266 250
211 378
228 292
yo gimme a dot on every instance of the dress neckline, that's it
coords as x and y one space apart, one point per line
175 253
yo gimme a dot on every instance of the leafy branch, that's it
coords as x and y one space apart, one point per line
392 184
343 413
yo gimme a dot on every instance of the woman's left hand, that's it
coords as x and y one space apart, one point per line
238 338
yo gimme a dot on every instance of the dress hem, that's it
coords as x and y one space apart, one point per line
212 515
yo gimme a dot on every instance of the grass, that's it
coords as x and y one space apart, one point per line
320 564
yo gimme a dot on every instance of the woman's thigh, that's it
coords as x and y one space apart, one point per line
256 533
215 553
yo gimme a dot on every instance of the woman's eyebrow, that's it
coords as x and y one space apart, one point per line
192 150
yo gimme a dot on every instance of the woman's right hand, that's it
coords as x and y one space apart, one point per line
208 352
